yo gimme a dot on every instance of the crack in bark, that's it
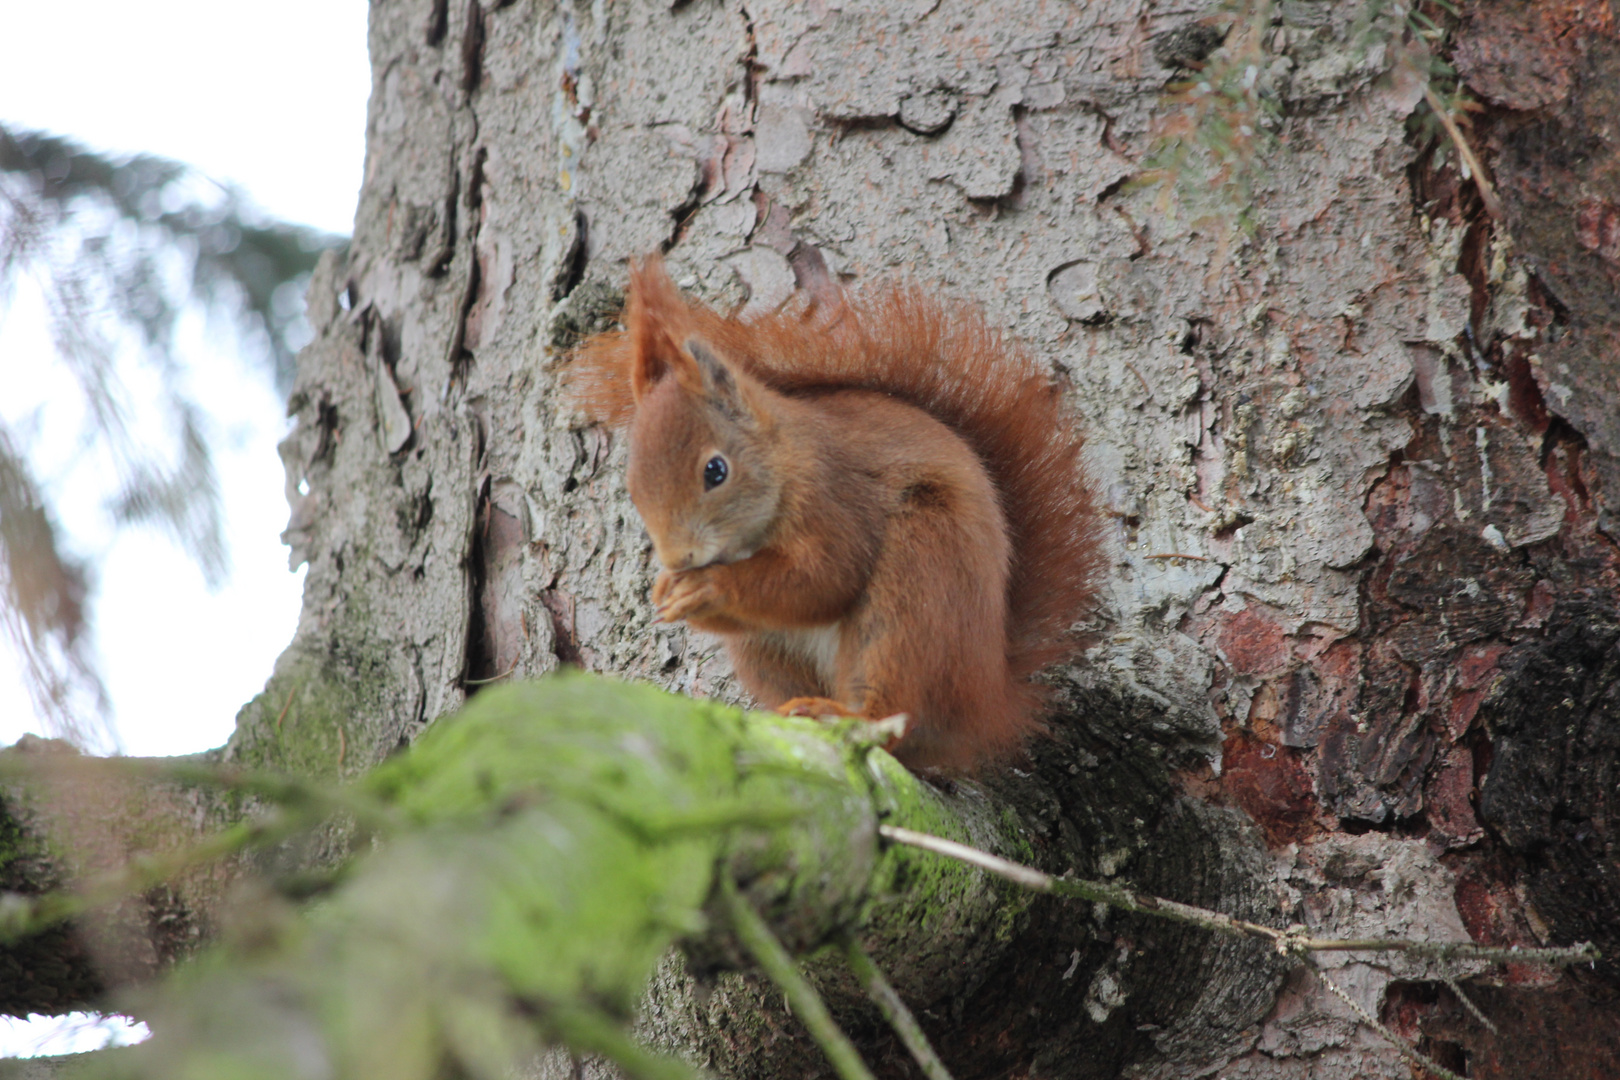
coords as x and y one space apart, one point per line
457 356
472 48
574 260
437 22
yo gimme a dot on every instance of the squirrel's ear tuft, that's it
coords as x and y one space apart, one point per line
655 316
719 382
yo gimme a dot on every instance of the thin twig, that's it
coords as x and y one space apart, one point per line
1140 379
142 872
1487 193
279 788
282 715
894 1011
1179 555
1468 1004
1406 1049
801 996
1290 942
303 805
494 678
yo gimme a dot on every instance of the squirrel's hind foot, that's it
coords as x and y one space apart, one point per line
814 706
886 733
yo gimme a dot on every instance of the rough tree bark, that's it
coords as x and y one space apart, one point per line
1359 662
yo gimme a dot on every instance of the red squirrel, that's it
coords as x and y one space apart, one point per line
881 508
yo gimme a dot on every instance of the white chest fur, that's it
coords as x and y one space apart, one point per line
817 648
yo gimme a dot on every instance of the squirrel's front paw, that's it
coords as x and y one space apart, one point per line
678 596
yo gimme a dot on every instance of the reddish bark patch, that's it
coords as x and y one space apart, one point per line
1271 785
1478 664
1568 1031
1449 797
1597 228
1253 643
1476 668
1493 914
1525 402
1487 908
1515 55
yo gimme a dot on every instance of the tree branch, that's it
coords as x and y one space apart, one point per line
801 996
1292 941
894 1010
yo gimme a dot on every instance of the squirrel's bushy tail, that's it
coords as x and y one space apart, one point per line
941 357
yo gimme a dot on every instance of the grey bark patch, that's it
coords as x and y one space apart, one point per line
769 278
781 138
1073 289
980 153
928 113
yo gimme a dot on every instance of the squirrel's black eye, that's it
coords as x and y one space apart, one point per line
714 473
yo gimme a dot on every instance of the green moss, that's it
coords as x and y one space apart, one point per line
551 842
321 711
15 844
307 720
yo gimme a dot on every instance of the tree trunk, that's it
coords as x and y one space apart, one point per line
1359 661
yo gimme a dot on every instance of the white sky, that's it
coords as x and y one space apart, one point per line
75 1033
270 96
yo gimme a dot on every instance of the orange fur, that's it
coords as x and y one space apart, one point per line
908 525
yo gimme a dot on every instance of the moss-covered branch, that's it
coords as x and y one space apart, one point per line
537 855
524 869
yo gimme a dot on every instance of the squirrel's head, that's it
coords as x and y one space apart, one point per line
701 470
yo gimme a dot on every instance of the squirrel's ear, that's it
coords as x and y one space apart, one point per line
655 355
719 382
655 309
